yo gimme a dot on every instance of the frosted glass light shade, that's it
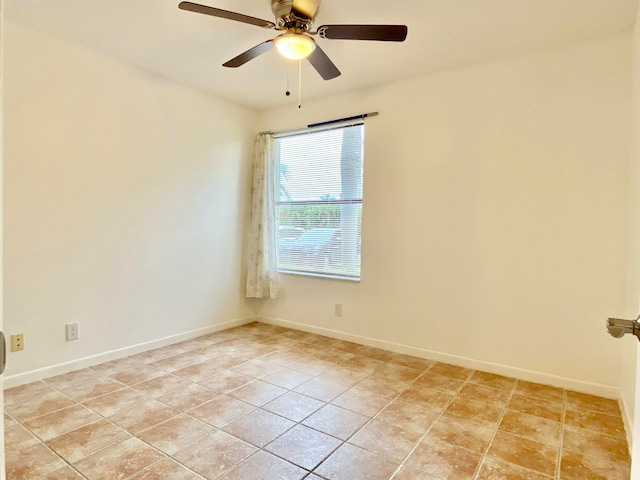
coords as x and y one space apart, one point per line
295 46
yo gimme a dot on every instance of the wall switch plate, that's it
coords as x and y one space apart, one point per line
17 342
73 331
337 310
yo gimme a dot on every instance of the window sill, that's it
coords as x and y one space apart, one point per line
320 275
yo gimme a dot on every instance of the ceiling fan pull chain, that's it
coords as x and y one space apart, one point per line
299 83
288 92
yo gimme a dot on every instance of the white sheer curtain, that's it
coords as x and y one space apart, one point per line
262 274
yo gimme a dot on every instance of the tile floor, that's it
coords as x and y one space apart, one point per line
263 402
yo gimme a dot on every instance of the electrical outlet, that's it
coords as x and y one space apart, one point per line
337 309
73 331
17 342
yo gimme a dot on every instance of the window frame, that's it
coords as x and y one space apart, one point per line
278 203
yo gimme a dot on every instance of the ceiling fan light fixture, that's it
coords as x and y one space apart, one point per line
295 46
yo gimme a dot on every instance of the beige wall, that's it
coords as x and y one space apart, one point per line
494 221
125 203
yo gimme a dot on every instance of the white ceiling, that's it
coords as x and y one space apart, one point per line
190 48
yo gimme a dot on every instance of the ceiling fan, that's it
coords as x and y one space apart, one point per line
295 18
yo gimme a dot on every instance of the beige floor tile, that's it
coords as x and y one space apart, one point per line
398 372
304 446
452 371
39 405
336 421
65 473
439 382
257 392
365 364
444 460
224 381
214 455
576 466
286 378
493 469
389 441
91 388
294 406
310 366
461 433
592 444
362 402
178 362
143 416
591 402
221 411
176 433
411 362
344 376
188 397
594 421
534 428
538 390
119 365
264 466
481 413
17 437
31 462
61 421
255 368
25 393
350 462
86 440
280 342
485 394
71 379
549 409
166 470
523 452
321 389
408 416
114 402
258 427
492 380
119 461
137 374
386 387
425 397
375 353
409 473
161 385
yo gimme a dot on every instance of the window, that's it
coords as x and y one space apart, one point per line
319 201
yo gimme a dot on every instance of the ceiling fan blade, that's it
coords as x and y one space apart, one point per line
217 12
323 64
249 54
383 33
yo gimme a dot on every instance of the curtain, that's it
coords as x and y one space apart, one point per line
262 273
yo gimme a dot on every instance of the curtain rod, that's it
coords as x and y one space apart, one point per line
322 124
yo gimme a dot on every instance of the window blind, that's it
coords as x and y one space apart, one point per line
319 200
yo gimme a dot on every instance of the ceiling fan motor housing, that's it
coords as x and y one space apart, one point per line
295 15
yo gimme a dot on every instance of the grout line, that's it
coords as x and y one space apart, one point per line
495 432
561 445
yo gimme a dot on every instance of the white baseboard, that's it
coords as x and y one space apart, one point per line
606 391
65 367
626 418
